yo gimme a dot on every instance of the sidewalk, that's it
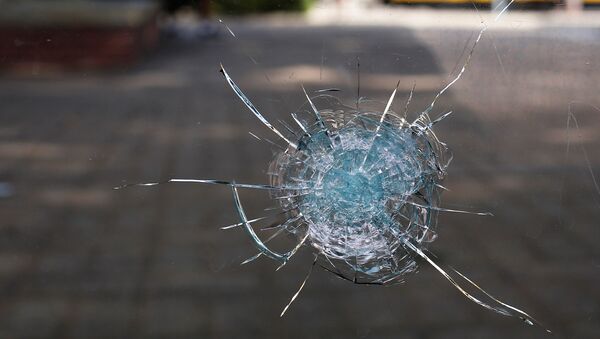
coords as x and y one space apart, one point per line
376 14
81 260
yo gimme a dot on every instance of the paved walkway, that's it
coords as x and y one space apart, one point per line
80 260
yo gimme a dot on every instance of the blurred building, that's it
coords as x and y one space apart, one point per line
75 34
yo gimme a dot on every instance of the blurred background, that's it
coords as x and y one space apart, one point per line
94 94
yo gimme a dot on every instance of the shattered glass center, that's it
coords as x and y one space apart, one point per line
356 194
367 187
353 186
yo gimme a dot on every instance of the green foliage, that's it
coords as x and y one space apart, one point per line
253 6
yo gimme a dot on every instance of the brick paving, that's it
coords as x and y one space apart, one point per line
80 260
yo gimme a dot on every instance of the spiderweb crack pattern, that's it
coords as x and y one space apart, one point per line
360 187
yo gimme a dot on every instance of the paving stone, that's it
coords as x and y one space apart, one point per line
81 260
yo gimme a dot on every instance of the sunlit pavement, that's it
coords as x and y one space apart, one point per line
81 260
374 13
